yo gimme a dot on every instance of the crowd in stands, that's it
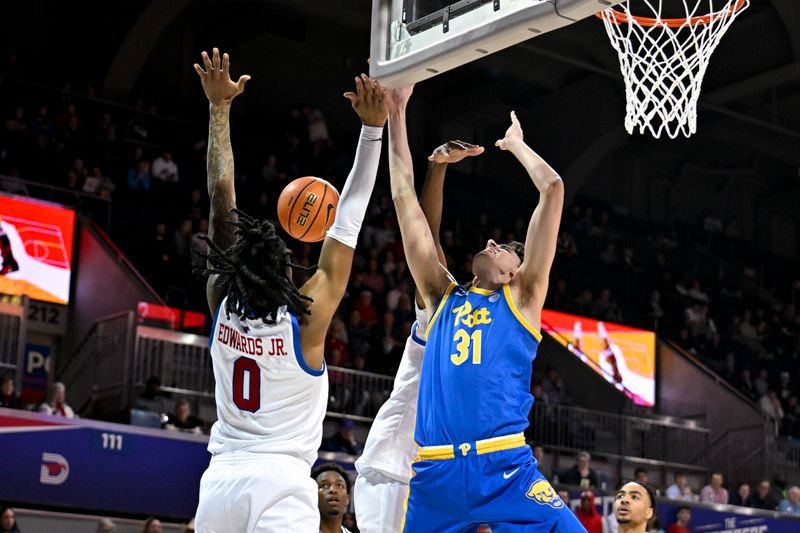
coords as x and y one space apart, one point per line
699 287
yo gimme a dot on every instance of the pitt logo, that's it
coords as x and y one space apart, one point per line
302 217
542 493
465 448
465 315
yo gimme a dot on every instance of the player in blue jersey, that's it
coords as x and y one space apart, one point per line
474 466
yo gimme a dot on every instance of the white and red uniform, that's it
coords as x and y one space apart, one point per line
270 407
384 469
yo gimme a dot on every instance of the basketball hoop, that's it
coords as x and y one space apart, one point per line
663 60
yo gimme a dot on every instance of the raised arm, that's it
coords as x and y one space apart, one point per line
423 260
327 286
540 242
432 196
220 91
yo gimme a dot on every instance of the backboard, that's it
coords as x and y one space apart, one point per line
413 40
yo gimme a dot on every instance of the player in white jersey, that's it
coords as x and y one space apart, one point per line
268 336
384 469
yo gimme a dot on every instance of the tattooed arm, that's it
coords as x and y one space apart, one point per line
221 91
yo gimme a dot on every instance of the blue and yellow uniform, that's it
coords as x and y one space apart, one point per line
474 466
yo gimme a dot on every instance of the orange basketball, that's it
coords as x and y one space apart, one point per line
307 208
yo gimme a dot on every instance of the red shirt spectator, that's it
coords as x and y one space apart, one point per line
684 515
588 515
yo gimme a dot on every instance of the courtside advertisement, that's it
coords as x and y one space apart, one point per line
35 249
625 357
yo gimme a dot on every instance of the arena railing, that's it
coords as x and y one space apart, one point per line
783 456
97 376
13 327
664 442
183 363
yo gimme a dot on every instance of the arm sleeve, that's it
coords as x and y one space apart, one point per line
358 187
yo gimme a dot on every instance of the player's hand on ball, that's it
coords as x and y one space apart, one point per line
216 79
455 151
369 101
513 134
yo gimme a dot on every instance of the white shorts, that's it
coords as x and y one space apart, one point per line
380 503
257 493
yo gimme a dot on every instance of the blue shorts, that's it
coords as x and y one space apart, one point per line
503 489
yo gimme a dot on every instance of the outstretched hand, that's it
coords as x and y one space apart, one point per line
369 101
513 133
216 79
398 97
454 151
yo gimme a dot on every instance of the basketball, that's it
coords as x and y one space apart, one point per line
307 208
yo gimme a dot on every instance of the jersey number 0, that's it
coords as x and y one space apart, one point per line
246 384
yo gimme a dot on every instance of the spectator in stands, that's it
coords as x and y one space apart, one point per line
152 399
683 516
791 504
771 406
742 496
791 418
714 492
56 403
763 497
8 520
538 453
785 387
105 526
680 490
349 522
139 178
152 525
654 525
761 383
8 396
366 309
165 169
344 440
588 515
553 387
641 475
333 496
198 244
183 420
564 495
746 385
581 474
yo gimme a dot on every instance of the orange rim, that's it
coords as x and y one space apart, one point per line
622 18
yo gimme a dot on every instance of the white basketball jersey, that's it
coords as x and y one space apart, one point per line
268 399
390 446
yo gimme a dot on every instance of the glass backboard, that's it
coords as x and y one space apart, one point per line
416 39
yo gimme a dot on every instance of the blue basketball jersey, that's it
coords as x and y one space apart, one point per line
476 370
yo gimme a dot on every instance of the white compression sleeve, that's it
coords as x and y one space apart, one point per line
358 187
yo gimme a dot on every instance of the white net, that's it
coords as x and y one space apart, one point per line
663 60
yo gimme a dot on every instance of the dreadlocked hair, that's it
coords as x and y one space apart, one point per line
252 271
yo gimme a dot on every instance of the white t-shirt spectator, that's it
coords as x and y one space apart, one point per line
165 169
674 493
